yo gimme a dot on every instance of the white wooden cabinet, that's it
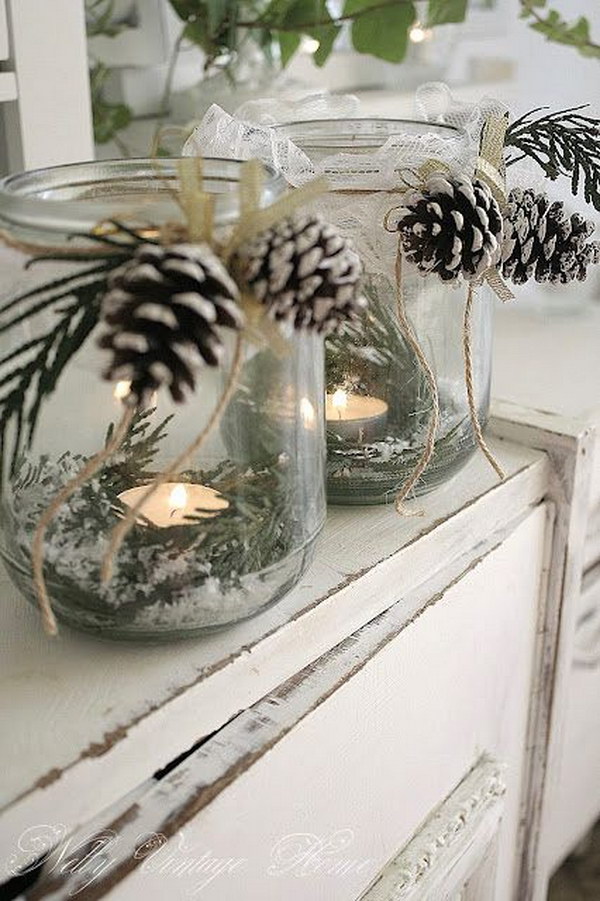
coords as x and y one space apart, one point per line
553 363
383 732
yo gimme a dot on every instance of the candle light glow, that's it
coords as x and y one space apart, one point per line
172 503
355 416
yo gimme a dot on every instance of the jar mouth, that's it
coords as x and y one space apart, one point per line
362 134
140 193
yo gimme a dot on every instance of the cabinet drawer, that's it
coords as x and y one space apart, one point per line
308 795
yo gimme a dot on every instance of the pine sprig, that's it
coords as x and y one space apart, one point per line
41 373
564 143
132 465
29 373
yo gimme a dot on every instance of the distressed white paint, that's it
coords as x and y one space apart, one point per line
576 800
569 446
153 702
369 739
454 854
4 42
8 86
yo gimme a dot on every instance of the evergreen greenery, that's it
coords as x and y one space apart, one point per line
260 527
61 314
565 142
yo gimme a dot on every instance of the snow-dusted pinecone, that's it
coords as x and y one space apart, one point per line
304 272
452 227
163 309
542 242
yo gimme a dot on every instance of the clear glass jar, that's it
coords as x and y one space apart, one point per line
263 466
378 399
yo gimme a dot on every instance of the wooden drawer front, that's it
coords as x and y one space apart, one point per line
454 856
577 793
308 795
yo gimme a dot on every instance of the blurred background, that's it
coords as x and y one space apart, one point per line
117 78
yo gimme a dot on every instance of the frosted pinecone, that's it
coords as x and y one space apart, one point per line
304 272
542 242
451 227
163 309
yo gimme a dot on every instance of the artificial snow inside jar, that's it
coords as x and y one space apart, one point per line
384 380
227 529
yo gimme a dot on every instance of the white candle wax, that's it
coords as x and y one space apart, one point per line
355 416
173 502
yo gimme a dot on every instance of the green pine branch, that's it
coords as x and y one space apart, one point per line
564 143
30 372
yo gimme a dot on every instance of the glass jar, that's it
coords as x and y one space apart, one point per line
379 400
233 531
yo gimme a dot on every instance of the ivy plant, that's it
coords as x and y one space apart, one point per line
377 27
554 27
101 20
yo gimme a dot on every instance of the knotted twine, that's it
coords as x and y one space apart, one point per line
198 207
489 169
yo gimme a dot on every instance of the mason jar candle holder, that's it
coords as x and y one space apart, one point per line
235 528
378 398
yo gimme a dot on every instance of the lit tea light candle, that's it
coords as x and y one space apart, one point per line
172 503
355 416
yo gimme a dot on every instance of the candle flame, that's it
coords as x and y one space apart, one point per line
121 391
339 399
178 498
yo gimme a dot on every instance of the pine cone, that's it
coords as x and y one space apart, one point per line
542 242
163 308
304 272
451 227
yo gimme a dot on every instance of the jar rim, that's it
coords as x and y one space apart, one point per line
140 192
369 128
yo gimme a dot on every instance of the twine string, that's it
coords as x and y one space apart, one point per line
122 529
429 447
92 466
470 384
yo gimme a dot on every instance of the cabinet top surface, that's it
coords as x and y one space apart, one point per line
70 702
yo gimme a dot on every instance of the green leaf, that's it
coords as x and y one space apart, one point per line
326 37
311 17
198 33
381 32
288 44
218 11
555 28
108 118
274 14
440 12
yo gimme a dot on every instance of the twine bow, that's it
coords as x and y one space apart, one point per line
490 170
